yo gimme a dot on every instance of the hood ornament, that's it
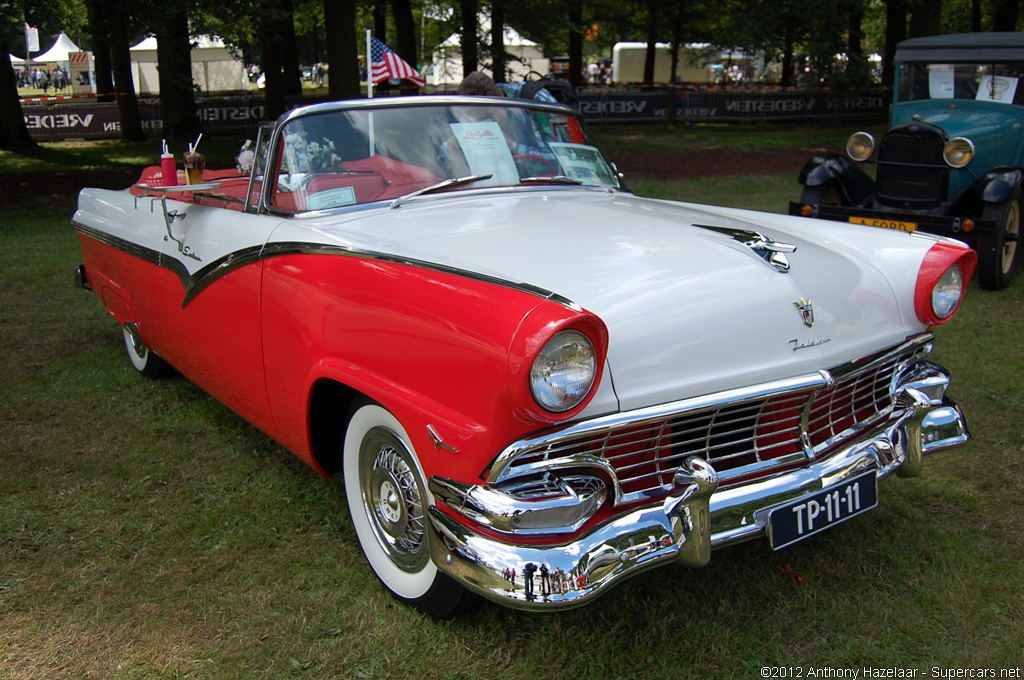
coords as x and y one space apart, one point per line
768 249
806 309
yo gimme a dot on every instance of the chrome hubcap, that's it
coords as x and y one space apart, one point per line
393 499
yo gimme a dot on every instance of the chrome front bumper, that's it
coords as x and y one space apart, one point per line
683 527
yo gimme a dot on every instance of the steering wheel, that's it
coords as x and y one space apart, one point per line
528 160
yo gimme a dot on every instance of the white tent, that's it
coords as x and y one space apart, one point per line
214 66
17 61
59 52
522 55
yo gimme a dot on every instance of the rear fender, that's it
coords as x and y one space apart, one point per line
856 185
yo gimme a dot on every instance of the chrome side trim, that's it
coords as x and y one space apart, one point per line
301 248
437 441
133 249
193 284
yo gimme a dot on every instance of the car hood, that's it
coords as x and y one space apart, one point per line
690 310
994 128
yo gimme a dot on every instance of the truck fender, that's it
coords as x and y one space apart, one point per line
998 184
855 184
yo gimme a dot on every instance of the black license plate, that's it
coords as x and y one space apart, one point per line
812 514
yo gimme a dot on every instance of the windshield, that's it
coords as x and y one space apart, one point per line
978 81
342 157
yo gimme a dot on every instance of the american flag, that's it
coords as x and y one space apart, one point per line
386 64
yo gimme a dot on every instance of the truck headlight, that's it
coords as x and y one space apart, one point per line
958 152
564 371
860 146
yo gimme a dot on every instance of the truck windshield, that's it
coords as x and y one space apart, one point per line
998 82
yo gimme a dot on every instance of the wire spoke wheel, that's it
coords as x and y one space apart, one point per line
393 500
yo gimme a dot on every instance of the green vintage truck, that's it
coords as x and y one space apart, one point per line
952 163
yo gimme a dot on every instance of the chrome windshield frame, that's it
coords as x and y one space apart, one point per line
389 103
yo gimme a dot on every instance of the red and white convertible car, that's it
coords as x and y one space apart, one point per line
535 383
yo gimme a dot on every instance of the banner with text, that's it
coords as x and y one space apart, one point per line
87 119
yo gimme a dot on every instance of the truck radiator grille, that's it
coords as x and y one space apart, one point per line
911 171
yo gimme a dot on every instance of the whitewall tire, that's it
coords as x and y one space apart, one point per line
388 501
144 361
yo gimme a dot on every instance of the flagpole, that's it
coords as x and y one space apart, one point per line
369 90
369 67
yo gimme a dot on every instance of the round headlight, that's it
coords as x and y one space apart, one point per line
564 371
860 146
958 152
947 292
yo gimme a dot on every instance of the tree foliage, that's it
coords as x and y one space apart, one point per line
803 41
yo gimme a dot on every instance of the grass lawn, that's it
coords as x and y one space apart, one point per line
147 532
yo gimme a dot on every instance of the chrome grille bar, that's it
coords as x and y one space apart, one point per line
753 431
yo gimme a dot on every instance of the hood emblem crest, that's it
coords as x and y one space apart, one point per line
806 309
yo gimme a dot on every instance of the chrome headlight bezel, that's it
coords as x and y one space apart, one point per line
564 371
860 145
958 152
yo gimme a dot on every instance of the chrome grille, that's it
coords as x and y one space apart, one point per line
743 440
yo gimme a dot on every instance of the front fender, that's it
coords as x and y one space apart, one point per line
444 438
856 185
998 184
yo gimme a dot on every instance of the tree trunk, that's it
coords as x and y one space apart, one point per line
575 11
104 84
925 18
857 70
470 54
174 55
342 51
13 131
652 41
292 76
121 65
677 38
270 46
498 40
787 56
380 21
1005 14
405 31
895 31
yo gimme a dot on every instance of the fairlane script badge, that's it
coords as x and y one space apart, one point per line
806 309
798 344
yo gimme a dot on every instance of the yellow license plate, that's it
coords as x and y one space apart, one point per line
888 224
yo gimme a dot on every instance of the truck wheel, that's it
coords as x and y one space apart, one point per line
822 194
999 253
388 501
144 361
